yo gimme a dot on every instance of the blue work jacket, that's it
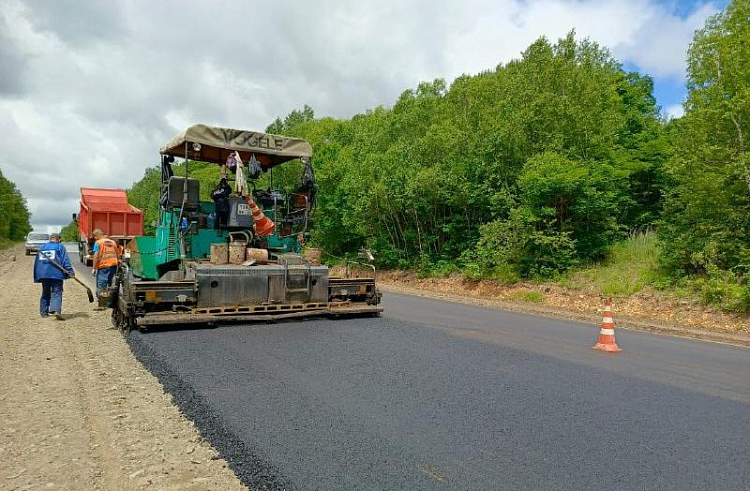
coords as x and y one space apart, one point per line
44 270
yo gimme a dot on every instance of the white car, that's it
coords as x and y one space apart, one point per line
34 241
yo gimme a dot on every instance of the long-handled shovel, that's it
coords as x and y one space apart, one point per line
59 266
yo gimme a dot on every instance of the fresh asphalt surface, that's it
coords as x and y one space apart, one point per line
436 395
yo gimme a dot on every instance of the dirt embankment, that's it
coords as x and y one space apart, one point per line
647 310
79 412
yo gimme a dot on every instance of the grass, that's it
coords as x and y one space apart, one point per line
5 243
528 297
630 266
633 265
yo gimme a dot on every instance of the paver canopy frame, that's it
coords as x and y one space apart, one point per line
215 144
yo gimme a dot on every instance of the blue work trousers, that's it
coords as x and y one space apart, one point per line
104 279
52 293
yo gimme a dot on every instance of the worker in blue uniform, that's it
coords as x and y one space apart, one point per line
51 277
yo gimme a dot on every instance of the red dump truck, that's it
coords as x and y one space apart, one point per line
109 211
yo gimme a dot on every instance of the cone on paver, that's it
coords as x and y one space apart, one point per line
607 333
264 226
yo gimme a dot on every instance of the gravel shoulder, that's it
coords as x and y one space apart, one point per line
79 411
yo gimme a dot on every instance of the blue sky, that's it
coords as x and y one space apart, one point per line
685 7
671 91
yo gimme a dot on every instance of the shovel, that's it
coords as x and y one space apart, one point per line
59 266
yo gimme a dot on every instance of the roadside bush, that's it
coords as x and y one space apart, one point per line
499 250
723 289
440 268
566 215
569 198
547 253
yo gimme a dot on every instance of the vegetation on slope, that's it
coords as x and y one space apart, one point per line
526 170
14 214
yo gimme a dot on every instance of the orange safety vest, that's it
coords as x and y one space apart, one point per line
107 255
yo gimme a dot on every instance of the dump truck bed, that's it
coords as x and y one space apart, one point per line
109 211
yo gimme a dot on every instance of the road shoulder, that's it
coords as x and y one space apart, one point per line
80 412
733 338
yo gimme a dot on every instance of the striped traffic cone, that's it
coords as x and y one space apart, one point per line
263 225
607 333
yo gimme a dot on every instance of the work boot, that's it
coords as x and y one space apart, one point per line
58 315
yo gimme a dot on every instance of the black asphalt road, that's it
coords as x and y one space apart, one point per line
437 395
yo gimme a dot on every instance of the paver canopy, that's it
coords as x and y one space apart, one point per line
217 143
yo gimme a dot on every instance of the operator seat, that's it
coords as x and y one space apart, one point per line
175 191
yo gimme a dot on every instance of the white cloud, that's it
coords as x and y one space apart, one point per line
89 93
674 111
659 45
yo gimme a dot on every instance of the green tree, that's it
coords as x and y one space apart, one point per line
14 214
69 233
417 182
144 194
706 224
291 121
567 212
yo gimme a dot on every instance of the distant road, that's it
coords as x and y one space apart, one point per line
72 248
437 395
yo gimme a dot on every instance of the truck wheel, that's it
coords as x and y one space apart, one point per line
28 252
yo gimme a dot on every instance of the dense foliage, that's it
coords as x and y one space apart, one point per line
14 215
708 200
69 232
525 170
706 225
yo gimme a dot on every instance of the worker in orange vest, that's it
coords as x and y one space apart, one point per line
106 258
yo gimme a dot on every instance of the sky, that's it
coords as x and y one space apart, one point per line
89 90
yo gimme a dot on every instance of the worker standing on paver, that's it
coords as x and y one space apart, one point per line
50 276
106 257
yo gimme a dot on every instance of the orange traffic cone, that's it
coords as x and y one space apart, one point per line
263 225
607 333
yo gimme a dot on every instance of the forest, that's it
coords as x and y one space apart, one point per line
14 214
540 166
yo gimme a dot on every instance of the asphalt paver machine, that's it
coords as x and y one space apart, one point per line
238 256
